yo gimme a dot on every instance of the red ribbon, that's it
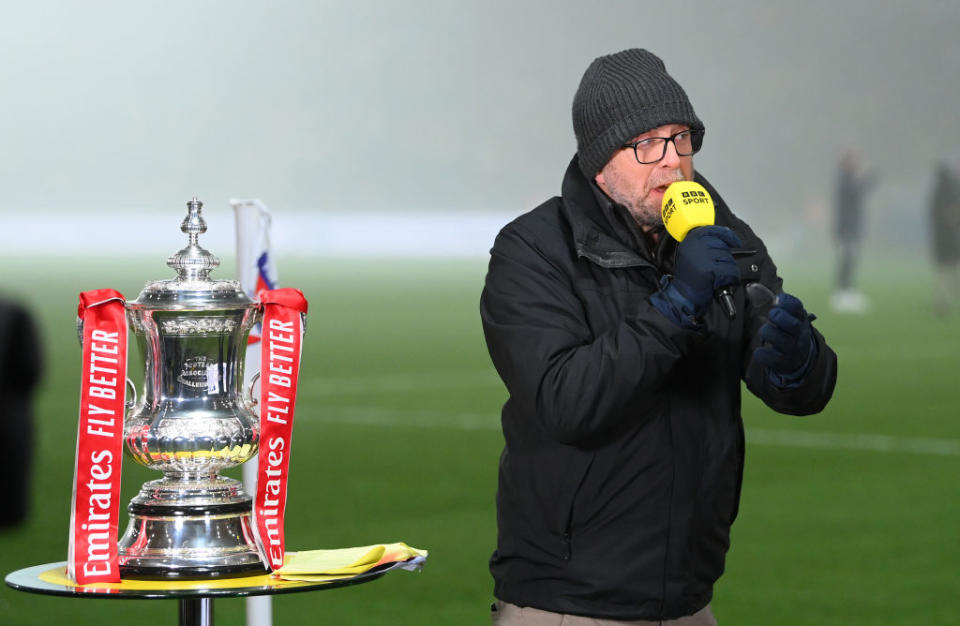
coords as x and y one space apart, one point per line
95 507
281 345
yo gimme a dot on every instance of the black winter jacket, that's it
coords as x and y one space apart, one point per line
621 472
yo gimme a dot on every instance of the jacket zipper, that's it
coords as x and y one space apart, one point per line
666 548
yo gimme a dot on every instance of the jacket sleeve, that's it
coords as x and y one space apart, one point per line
575 384
815 390
807 398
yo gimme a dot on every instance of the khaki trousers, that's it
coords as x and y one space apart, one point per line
506 614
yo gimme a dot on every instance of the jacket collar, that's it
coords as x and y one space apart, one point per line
603 231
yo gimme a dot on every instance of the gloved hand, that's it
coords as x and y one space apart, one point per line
789 349
703 264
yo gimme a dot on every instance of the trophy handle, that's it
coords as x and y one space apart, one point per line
133 388
251 399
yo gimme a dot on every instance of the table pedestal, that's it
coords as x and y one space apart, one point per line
196 612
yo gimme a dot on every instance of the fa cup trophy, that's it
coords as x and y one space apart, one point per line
192 420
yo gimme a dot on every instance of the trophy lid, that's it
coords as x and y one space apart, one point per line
192 288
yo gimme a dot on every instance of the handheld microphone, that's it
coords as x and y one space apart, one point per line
687 205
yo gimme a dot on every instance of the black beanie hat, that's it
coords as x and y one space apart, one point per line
623 95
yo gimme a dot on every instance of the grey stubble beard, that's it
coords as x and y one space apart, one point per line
645 213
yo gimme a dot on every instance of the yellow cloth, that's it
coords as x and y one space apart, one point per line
310 565
58 576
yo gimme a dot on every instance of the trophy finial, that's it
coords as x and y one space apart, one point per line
193 262
193 224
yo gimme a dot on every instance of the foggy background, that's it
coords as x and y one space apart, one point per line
360 123
417 129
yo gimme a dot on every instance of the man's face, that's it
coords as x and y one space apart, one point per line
640 187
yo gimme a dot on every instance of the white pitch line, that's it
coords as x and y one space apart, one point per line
854 441
380 416
417 381
945 351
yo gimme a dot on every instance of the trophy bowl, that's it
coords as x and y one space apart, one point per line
191 421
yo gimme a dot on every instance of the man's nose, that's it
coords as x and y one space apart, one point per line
671 158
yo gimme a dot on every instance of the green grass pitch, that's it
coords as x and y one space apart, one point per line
849 517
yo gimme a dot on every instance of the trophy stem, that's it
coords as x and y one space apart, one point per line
173 477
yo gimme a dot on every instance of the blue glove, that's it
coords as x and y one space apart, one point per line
789 349
703 264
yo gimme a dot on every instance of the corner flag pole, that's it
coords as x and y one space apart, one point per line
255 271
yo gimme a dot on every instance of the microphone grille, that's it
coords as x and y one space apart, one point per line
686 205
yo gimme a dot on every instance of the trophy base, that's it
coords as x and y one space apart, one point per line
190 534
190 573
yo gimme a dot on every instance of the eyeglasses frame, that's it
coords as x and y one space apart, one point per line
696 141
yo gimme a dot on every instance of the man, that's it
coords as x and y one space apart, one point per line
945 236
21 368
621 473
852 186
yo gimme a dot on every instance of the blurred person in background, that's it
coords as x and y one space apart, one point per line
624 445
945 236
20 371
852 185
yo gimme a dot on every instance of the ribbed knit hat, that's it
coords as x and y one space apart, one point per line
623 95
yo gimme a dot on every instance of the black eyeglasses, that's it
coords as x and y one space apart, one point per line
652 149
